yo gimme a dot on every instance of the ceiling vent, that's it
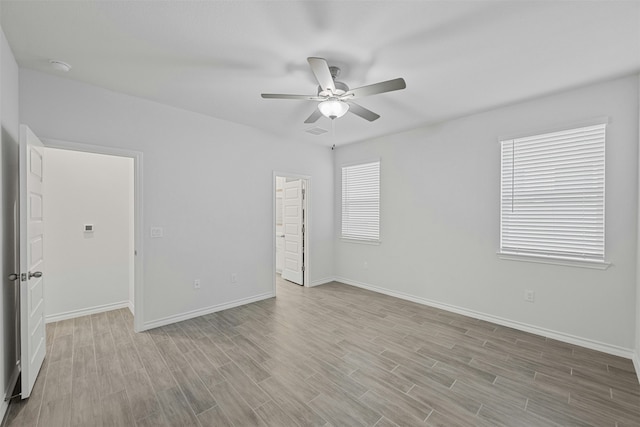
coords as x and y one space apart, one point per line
316 131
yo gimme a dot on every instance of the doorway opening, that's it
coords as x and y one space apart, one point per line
106 224
70 166
89 233
291 195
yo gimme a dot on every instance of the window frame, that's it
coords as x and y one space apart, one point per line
353 239
550 257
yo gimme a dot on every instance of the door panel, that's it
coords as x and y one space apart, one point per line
293 236
32 322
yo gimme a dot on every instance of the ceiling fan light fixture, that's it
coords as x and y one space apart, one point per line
333 108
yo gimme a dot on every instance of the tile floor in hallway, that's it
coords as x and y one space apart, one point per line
333 355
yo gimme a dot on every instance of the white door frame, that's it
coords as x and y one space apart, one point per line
138 219
307 223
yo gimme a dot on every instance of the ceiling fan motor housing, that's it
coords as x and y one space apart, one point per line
341 89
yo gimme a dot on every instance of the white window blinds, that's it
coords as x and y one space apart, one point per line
552 195
361 201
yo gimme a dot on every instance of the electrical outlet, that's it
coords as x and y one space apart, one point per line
196 284
234 278
529 295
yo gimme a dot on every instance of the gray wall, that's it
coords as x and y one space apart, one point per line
440 221
8 213
207 182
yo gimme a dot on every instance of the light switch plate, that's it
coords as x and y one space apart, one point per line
156 232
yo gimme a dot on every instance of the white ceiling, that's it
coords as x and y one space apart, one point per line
216 57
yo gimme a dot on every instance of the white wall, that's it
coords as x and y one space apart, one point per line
207 182
87 272
440 221
9 141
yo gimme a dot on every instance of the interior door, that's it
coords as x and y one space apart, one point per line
32 325
293 218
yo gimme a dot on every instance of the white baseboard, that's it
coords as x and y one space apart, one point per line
321 281
636 362
132 309
202 311
560 336
86 311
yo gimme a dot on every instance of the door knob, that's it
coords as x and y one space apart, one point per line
13 277
35 274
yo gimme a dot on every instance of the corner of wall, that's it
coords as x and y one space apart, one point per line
322 281
636 353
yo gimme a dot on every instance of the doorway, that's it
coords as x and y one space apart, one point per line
76 194
89 245
291 195
97 226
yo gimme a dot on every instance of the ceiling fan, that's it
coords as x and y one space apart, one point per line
334 97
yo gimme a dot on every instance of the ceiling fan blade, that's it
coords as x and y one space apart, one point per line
320 69
285 96
314 116
388 86
359 110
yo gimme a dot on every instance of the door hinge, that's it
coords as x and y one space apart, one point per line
303 192
302 228
303 268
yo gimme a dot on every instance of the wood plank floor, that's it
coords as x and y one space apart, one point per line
330 355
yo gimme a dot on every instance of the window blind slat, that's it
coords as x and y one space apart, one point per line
361 201
552 194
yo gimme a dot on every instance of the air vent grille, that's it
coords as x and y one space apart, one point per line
316 131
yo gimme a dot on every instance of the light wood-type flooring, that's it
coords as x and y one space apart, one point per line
333 355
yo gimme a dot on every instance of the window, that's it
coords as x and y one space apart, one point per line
552 195
361 202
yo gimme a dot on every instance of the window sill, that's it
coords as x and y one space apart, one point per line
598 265
362 242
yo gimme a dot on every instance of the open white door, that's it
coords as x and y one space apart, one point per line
32 325
293 218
